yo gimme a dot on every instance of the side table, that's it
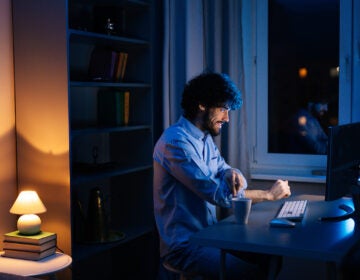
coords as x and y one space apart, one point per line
46 266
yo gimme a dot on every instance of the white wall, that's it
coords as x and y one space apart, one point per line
8 185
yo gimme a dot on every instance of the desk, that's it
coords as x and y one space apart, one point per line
310 239
47 266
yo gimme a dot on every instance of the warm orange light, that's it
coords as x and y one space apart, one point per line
334 72
302 121
303 72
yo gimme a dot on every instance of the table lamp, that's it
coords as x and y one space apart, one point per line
28 204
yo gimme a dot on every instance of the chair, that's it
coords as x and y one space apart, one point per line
184 275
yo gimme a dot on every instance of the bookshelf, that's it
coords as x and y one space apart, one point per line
64 151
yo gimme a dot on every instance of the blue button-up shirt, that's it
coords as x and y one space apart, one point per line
188 184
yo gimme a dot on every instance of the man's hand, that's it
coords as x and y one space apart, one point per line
235 180
280 189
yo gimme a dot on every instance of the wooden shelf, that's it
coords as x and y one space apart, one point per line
108 84
86 37
83 250
112 170
82 130
58 128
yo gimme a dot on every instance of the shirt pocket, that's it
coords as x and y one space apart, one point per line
213 164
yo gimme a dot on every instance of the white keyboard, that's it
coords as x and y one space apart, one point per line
293 209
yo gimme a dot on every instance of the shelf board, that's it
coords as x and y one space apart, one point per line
84 251
126 3
80 36
92 174
108 84
80 131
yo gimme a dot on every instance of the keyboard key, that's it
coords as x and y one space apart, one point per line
293 209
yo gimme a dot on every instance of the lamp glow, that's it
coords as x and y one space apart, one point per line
28 204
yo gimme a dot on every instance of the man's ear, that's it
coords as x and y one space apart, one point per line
201 107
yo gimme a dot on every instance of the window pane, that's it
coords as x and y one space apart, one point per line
303 74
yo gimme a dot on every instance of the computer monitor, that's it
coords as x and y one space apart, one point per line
343 161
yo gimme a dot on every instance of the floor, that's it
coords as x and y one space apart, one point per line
296 269
293 269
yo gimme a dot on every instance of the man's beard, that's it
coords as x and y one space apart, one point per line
209 125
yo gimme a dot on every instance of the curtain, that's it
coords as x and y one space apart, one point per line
205 35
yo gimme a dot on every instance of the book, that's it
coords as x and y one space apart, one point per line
121 65
126 107
39 238
118 67
113 107
28 255
102 64
119 108
9 245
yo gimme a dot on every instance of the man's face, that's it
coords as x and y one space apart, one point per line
214 118
321 109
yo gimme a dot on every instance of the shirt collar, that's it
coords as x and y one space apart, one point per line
192 129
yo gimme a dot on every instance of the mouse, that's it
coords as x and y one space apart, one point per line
281 222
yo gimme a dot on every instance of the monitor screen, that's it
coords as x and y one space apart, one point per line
343 160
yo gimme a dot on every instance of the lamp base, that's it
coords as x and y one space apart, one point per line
29 224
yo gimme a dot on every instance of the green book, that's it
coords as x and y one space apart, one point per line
40 238
119 108
110 108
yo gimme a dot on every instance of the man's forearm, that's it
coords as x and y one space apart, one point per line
258 195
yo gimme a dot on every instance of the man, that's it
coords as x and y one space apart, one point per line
191 179
306 134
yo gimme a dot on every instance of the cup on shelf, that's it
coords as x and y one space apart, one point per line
241 208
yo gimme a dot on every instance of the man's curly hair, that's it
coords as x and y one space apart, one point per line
210 90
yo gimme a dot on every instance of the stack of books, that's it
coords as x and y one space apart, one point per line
113 107
29 247
107 65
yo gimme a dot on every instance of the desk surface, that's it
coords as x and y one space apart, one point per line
311 238
44 266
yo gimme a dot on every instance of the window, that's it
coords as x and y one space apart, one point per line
303 84
302 54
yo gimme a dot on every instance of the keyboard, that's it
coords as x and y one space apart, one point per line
292 210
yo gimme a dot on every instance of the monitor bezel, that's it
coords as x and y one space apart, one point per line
347 172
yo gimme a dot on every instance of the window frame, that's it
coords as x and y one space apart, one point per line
295 167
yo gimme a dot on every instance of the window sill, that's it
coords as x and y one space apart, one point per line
314 176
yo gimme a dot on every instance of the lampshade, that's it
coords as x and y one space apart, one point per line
28 204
